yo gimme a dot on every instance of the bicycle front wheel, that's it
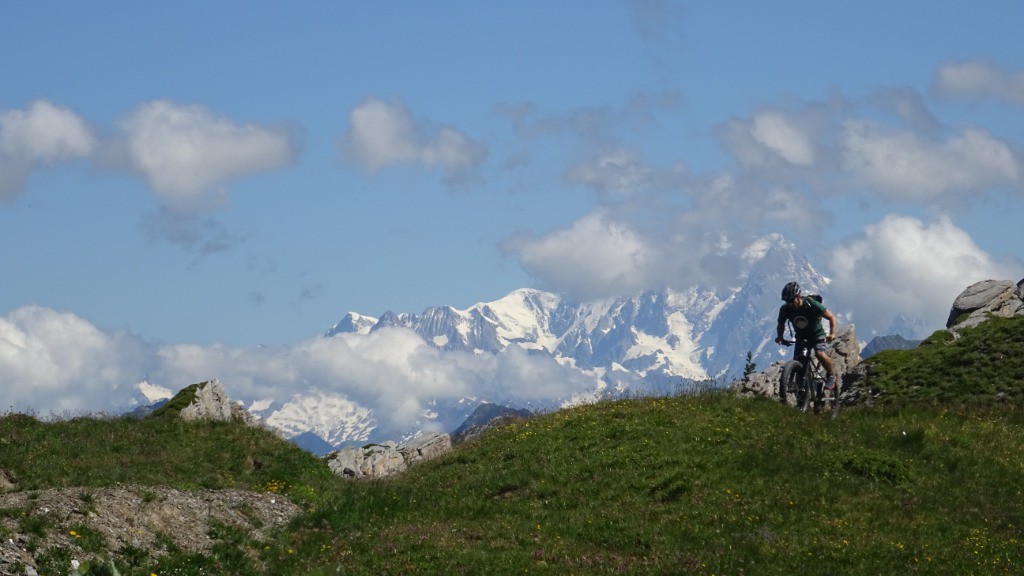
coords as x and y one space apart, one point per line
793 385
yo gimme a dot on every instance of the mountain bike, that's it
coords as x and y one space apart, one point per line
804 378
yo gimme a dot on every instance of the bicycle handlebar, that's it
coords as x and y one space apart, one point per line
808 341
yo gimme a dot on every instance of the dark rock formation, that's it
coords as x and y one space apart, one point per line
485 417
1001 298
891 342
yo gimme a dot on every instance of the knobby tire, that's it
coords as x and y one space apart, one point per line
794 386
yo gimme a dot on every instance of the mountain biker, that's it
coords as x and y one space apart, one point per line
805 315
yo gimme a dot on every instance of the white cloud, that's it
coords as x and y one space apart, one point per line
691 234
382 134
979 80
454 152
902 166
768 138
187 153
56 362
40 135
53 361
776 133
596 257
393 371
905 269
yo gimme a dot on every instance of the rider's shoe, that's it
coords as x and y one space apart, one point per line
831 381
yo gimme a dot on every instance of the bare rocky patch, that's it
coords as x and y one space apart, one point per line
147 518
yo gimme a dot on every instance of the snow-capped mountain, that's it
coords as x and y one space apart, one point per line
691 334
332 418
659 341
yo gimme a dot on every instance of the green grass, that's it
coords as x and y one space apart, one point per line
929 481
985 365
707 485
95 452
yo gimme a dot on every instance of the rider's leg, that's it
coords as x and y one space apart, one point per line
826 362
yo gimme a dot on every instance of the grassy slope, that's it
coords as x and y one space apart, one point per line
103 452
709 485
985 363
930 482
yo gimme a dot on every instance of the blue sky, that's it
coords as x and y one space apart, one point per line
228 175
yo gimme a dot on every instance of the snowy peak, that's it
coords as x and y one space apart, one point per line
695 333
335 419
352 323
658 341
522 317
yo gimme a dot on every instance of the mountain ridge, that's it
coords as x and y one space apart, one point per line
654 342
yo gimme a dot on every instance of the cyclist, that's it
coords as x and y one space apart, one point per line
805 315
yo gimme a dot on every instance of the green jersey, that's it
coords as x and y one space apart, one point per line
806 319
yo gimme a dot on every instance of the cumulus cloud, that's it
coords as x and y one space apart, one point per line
903 166
40 135
775 132
694 233
595 257
770 138
905 269
188 153
382 134
56 362
978 79
53 361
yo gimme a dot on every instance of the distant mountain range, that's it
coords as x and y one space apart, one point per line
892 342
658 341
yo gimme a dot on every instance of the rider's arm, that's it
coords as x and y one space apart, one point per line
832 324
779 330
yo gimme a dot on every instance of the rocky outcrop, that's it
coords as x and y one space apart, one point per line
1000 298
210 402
845 352
764 383
370 461
425 447
845 355
388 458
205 401
976 304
